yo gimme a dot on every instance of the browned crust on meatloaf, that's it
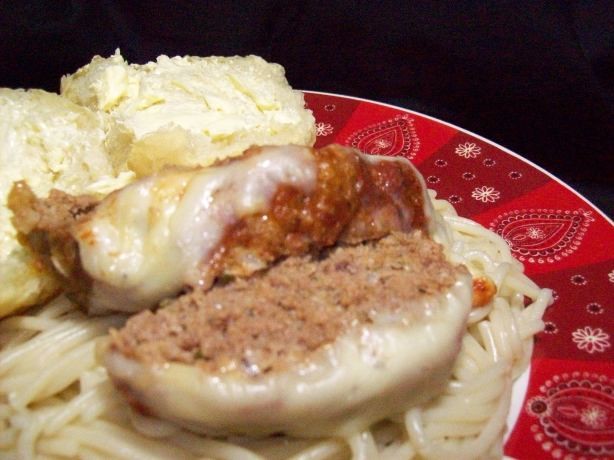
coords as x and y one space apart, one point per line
56 213
354 200
45 227
279 317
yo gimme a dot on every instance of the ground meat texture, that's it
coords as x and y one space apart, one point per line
56 213
46 224
273 319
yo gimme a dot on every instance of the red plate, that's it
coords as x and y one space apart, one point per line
565 243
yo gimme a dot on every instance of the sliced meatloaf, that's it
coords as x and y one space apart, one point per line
310 347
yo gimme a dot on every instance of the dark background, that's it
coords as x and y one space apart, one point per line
534 76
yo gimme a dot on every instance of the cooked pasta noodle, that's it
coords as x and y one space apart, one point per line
56 401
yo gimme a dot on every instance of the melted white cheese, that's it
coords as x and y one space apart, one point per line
358 380
145 241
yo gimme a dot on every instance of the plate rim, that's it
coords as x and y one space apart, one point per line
521 384
478 136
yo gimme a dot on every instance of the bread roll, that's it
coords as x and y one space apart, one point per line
192 110
52 143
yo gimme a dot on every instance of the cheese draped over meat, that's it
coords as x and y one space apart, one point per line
145 242
186 228
183 228
320 347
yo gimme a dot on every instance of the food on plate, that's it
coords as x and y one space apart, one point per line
320 345
400 344
305 303
192 110
70 408
114 120
52 143
181 228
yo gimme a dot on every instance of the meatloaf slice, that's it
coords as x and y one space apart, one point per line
312 346
184 228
